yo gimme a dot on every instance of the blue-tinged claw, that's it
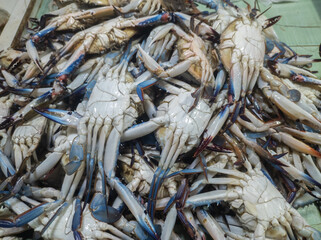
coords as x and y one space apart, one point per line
90 165
236 111
169 204
144 85
101 212
189 227
21 91
89 89
77 235
52 219
26 217
293 172
71 167
180 199
267 143
268 177
47 81
213 129
65 73
36 38
159 18
186 172
6 165
254 135
291 187
204 165
63 117
303 79
10 79
151 192
33 54
76 156
76 220
159 176
219 81
26 110
136 208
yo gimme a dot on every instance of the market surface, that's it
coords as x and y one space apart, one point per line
159 119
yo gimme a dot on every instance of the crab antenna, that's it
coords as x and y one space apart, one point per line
257 3
248 5
263 12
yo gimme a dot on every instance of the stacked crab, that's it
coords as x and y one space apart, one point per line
150 112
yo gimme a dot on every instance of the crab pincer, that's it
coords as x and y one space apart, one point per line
179 200
136 208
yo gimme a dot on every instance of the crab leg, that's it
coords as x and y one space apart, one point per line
213 128
294 143
6 165
210 224
169 223
255 124
63 23
143 129
28 216
183 214
44 167
289 108
306 136
124 29
300 60
134 206
208 198
286 71
219 81
303 79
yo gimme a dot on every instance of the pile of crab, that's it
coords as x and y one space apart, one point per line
120 119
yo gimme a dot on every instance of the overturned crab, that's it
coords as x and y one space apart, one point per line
255 199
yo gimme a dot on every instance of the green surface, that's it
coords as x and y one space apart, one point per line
312 216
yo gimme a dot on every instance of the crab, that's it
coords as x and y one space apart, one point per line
254 198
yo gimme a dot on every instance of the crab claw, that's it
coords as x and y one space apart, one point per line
286 70
159 18
288 107
26 217
76 156
157 181
68 118
136 208
219 81
102 212
6 165
186 172
10 79
180 198
33 53
295 144
293 172
76 220
26 111
303 79
9 121
22 92
213 128
144 85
